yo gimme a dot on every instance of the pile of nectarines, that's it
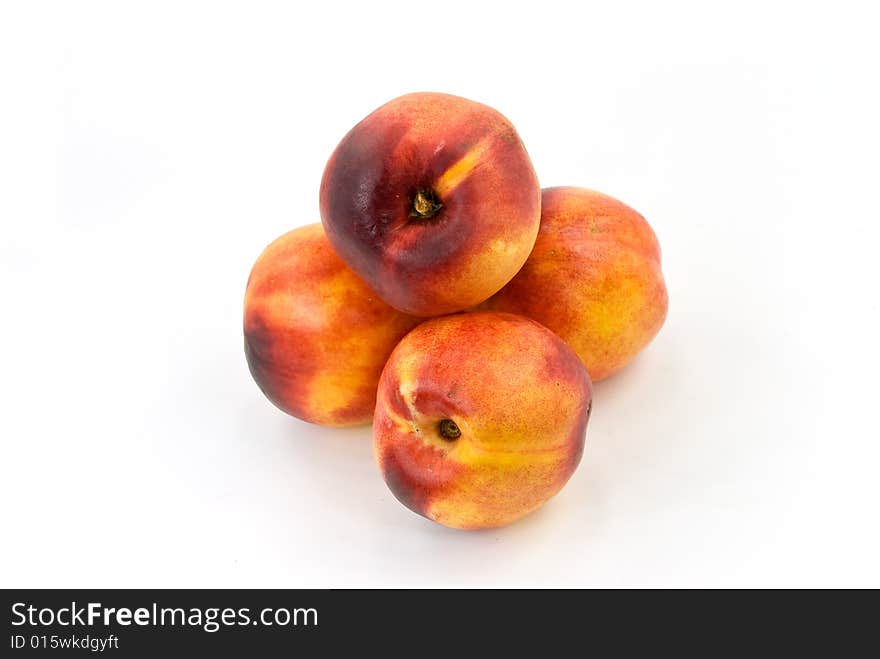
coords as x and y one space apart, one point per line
451 301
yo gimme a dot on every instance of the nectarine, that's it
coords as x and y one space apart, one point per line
593 277
480 418
316 337
433 200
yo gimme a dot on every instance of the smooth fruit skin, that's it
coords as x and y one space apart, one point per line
593 277
482 191
518 395
315 336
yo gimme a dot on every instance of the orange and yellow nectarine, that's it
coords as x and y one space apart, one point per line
593 277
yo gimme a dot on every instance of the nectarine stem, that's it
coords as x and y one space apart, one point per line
449 429
425 204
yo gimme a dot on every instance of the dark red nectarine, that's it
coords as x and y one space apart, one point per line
433 200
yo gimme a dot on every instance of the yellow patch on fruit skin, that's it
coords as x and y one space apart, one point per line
461 169
407 387
329 390
472 501
494 457
329 394
502 247
316 336
601 260
479 265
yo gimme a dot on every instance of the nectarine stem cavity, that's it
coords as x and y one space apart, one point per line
449 430
425 204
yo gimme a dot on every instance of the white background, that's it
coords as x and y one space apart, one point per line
149 151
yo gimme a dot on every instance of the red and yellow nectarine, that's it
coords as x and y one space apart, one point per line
316 337
480 418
